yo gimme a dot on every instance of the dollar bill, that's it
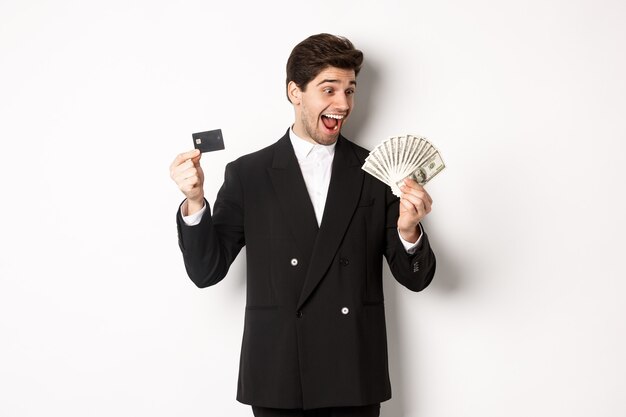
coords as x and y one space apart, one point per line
404 156
424 173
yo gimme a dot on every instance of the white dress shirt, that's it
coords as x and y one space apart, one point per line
316 162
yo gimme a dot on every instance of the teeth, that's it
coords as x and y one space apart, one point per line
334 116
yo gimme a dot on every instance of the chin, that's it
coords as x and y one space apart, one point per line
328 140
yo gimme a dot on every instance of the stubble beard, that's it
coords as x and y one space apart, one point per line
312 131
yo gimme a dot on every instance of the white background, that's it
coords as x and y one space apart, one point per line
525 99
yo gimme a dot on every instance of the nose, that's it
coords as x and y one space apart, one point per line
343 102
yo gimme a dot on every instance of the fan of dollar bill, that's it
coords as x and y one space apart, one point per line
399 157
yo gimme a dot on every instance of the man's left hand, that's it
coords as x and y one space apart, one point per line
415 204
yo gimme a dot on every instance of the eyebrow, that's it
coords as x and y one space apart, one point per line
352 82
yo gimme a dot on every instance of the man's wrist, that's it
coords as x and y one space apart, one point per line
194 218
191 207
411 236
412 247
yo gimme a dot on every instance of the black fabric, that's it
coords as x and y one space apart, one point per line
314 328
361 411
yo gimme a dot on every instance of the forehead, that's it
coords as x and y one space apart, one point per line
335 76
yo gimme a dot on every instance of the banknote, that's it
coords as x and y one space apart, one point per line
404 156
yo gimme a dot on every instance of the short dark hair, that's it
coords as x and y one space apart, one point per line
317 52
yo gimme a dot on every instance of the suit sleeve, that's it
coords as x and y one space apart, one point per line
414 271
210 247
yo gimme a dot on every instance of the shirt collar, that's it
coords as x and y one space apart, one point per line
303 148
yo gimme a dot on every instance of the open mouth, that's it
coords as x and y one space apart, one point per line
332 122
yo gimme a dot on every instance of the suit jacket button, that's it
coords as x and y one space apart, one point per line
299 314
416 266
345 310
294 262
344 261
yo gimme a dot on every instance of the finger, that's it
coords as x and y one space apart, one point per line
177 170
415 207
414 185
421 195
428 202
427 196
180 158
407 205
411 183
187 173
409 213
421 205
189 184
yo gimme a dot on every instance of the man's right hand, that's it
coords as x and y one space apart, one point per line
187 174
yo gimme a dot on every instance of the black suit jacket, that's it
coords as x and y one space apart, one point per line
314 332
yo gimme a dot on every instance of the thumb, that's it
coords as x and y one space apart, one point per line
196 159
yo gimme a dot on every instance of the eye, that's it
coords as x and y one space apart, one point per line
328 90
350 92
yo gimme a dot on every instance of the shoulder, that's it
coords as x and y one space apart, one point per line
256 156
360 152
260 158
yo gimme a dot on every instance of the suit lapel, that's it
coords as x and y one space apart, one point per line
292 195
343 196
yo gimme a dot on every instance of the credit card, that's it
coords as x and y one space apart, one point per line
209 141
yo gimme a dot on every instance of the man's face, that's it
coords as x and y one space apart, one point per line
323 107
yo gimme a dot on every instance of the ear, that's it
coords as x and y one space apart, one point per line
294 93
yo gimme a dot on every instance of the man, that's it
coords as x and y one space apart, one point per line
316 227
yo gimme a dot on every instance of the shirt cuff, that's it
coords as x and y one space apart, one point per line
409 247
193 219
